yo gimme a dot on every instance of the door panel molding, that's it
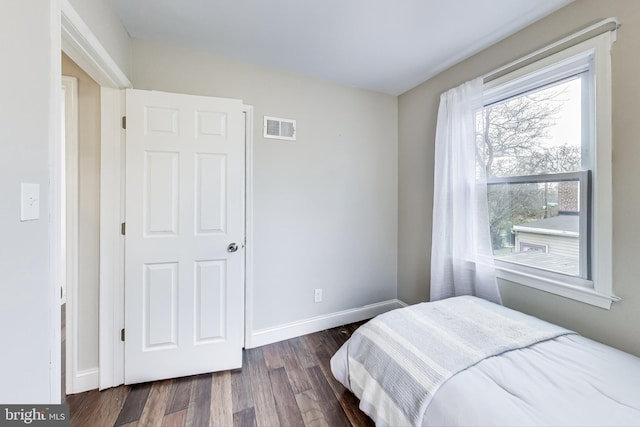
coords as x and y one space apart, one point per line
174 141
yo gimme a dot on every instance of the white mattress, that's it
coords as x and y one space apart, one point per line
568 381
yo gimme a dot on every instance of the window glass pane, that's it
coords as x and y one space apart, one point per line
534 133
537 224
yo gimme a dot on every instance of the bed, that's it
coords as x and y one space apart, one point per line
465 361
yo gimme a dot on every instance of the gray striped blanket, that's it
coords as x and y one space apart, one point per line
398 360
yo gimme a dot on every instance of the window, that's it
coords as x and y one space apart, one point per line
549 214
544 141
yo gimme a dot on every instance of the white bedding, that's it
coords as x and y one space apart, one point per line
569 380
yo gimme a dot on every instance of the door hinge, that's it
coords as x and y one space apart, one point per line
123 228
124 122
122 334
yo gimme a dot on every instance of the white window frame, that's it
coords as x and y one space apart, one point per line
599 290
586 211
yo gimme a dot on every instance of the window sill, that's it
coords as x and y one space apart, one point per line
575 292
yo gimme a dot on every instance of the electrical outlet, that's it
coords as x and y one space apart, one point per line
317 295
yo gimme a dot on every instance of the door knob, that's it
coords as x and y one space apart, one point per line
232 247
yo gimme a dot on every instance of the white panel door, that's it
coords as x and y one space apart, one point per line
184 277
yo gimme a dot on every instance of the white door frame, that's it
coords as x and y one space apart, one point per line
74 380
248 227
112 181
82 46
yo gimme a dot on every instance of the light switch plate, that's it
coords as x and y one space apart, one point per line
29 201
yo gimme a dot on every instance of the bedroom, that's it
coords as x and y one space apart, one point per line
402 124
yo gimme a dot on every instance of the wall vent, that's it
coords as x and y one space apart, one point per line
277 128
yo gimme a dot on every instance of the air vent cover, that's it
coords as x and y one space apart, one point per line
277 128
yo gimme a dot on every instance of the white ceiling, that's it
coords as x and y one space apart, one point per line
383 45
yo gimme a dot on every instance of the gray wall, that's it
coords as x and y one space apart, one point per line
325 206
25 135
417 110
31 71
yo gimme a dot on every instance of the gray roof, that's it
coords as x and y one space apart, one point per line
569 223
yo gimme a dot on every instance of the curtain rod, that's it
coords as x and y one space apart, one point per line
609 24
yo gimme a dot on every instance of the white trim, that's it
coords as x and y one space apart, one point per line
86 380
307 326
248 231
84 48
69 139
602 231
112 107
72 229
575 292
53 214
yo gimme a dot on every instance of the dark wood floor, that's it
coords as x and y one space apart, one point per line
283 384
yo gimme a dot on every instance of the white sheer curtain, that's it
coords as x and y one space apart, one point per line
461 254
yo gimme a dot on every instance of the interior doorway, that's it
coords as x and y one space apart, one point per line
82 47
80 202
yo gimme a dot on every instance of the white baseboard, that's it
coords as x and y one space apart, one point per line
266 336
86 380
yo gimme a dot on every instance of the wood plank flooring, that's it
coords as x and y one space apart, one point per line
288 383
